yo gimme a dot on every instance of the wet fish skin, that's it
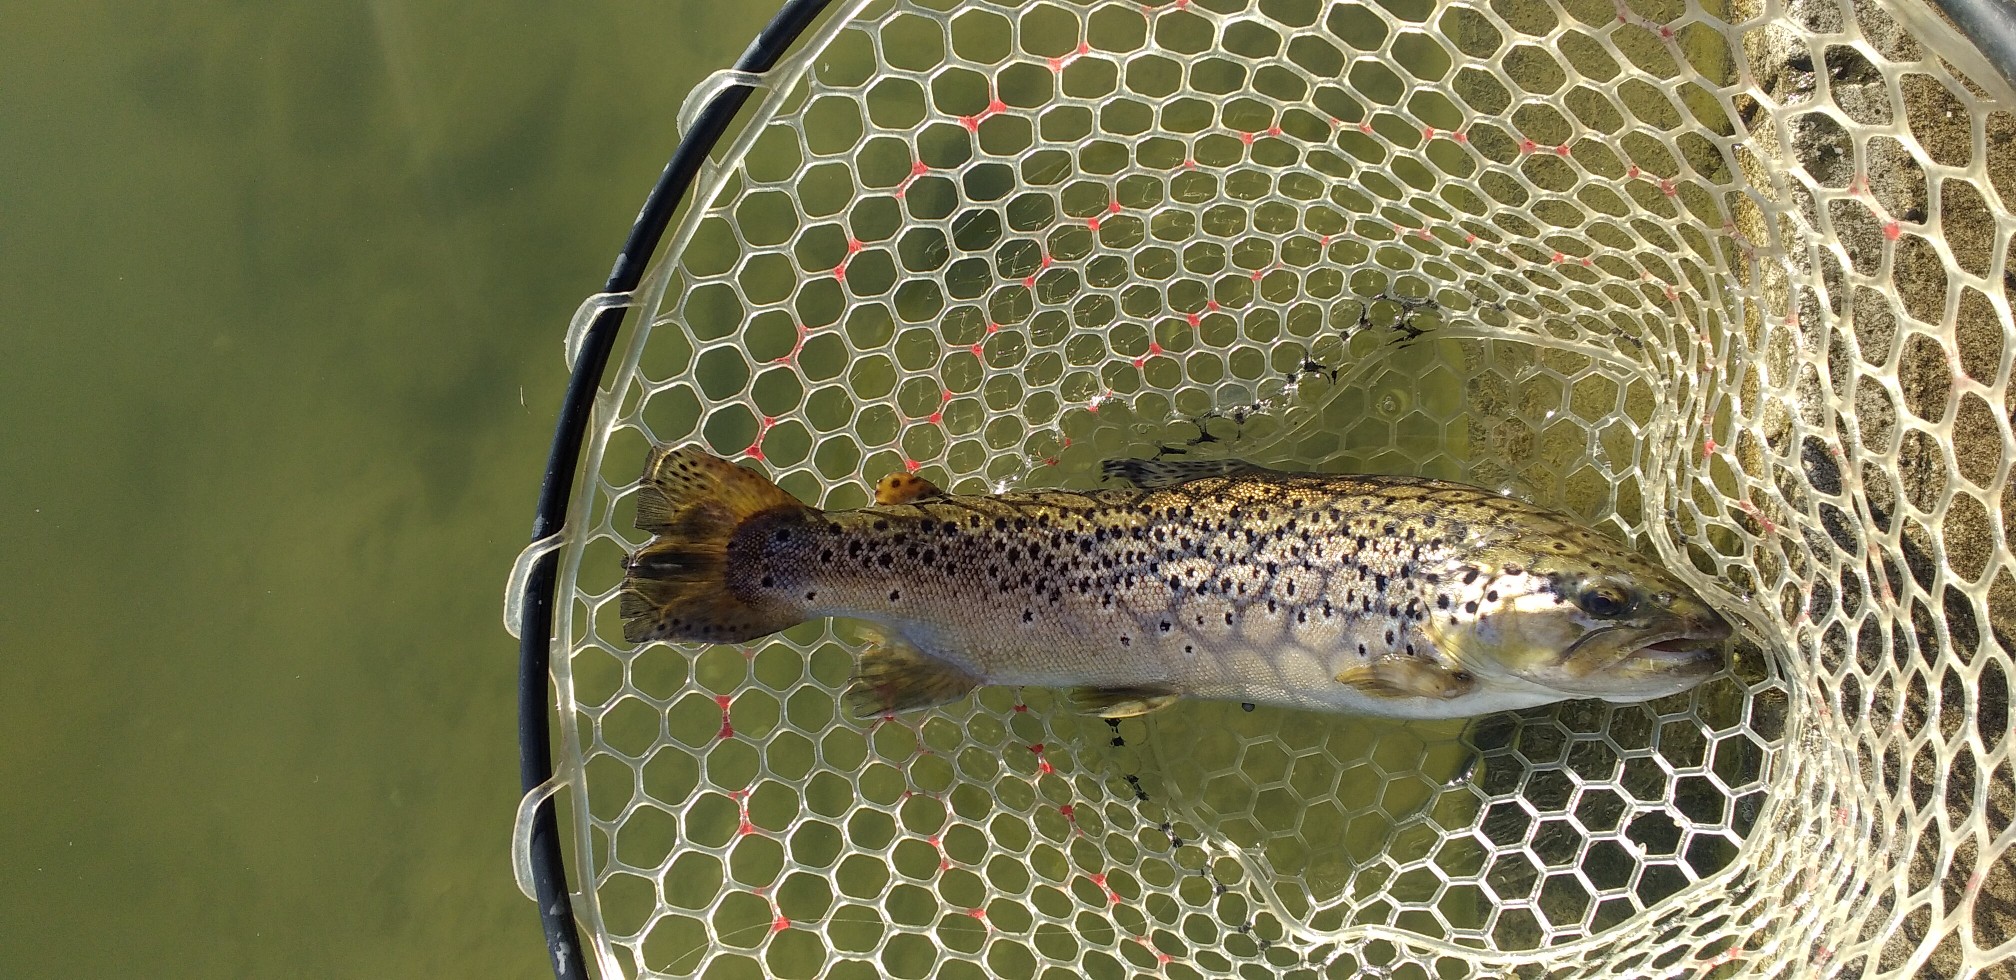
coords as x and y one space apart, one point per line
1383 595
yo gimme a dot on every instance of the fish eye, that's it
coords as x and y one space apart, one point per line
1604 602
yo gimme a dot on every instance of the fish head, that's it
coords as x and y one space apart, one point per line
1591 621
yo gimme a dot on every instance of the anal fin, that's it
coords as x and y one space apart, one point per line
893 676
1408 677
1121 702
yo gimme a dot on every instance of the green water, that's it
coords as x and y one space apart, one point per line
283 288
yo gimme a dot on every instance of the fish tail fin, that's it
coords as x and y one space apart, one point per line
676 586
896 676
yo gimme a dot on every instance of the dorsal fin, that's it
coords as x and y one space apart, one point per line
1155 474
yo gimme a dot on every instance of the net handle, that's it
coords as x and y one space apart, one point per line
542 853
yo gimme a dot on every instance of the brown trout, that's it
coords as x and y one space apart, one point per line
1382 595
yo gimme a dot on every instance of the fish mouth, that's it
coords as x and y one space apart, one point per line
1681 652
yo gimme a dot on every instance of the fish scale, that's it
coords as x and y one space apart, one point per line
1389 595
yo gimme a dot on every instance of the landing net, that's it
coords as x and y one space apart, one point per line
1729 282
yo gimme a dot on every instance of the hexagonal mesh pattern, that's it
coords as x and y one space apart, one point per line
1731 284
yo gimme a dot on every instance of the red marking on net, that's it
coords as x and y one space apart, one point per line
803 331
780 923
977 351
1092 223
727 727
1083 49
1707 447
1632 174
1193 318
1459 136
994 108
917 169
912 465
993 327
1113 207
1154 348
1892 230
755 451
1528 146
1561 150
853 246
1100 880
980 914
1043 763
1029 282
1667 187
1427 132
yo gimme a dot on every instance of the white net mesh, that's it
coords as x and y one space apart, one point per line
1730 283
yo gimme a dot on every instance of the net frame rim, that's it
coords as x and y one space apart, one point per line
543 859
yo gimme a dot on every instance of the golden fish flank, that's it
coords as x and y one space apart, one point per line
1373 594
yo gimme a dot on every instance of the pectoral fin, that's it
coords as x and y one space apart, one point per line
1121 702
1154 474
1408 677
895 676
903 488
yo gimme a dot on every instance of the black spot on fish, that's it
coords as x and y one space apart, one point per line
1165 626
1470 607
769 581
880 525
895 594
1028 615
1441 602
885 559
1243 706
809 596
1469 576
1491 596
1389 638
